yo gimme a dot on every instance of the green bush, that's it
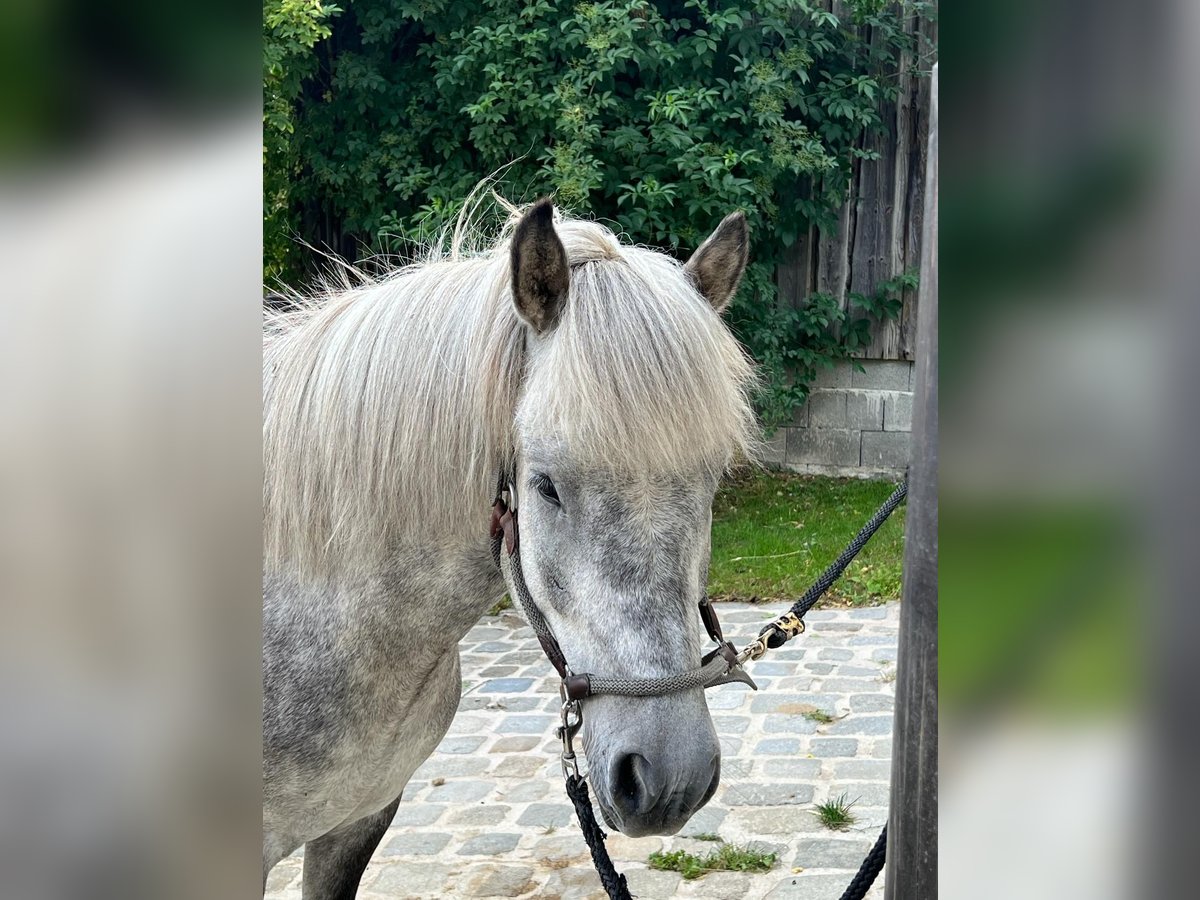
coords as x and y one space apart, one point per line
657 117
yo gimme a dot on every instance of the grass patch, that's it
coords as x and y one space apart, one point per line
708 836
773 534
500 605
835 814
726 858
818 715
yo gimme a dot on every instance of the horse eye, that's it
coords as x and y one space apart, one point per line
545 487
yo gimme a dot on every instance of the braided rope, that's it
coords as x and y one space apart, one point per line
613 881
870 868
655 687
835 569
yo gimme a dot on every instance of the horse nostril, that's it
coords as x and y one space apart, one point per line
633 787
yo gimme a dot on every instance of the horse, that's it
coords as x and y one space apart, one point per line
604 377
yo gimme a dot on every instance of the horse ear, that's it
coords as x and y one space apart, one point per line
717 266
540 272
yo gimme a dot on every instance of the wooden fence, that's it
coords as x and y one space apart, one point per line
878 231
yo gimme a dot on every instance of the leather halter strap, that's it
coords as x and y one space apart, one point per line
719 666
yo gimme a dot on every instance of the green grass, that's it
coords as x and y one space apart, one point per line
708 836
500 605
818 715
726 858
835 814
773 534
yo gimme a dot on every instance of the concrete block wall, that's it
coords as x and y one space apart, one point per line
854 423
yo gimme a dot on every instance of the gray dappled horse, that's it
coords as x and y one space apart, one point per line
603 375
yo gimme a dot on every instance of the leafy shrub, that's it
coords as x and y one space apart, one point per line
660 116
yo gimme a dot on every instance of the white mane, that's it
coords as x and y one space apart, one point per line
389 406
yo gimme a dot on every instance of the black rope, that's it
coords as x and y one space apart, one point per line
838 566
870 868
613 881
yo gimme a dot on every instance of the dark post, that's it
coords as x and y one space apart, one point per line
912 823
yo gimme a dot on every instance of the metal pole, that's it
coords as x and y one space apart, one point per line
912 823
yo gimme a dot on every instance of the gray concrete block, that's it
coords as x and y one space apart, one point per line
882 374
838 376
827 409
897 412
865 410
774 447
800 415
823 446
886 448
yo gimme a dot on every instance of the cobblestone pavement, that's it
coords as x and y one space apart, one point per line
487 816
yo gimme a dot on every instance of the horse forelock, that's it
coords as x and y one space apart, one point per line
390 404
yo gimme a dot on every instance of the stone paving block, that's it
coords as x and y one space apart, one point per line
514 744
735 767
810 887
491 844
546 815
774 820
778 746
872 702
822 627
495 880
525 792
868 769
819 668
867 793
774 668
480 814
886 449
730 746
720 885
559 849
506 685
731 724
451 766
832 747
837 655
881 749
868 612
651 883
707 821
414 878
789 725
418 843
872 725
849 685
525 725
498 671
461 791
791 767
856 672
574 884
282 877
772 794
871 640
791 704
491 647
410 813
461 744
518 767
884 654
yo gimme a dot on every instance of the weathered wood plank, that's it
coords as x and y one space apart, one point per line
911 868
